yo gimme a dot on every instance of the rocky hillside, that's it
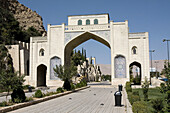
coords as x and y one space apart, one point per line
24 15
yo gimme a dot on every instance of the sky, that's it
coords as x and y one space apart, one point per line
151 16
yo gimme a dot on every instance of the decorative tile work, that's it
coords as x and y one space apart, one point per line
53 62
120 67
70 35
103 34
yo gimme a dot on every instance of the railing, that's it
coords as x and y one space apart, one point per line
87 27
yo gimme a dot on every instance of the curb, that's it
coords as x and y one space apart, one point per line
25 104
128 105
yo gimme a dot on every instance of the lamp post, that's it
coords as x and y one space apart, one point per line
151 51
167 48
156 68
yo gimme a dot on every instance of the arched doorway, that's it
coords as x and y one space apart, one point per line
120 67
41 75
135 73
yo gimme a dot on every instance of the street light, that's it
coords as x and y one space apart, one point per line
156 68
151 51
167 48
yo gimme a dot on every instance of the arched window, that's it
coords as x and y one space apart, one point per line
79 22
95 21
134 50
41 53
87 22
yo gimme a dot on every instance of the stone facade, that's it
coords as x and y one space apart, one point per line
126 48
24 15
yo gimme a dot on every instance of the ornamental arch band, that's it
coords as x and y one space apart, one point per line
125 47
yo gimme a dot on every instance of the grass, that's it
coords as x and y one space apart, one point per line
153 93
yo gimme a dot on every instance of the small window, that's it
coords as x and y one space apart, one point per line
79 22
134 50
41 53
95 21
87 22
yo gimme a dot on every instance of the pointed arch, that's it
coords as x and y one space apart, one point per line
79 40
41 75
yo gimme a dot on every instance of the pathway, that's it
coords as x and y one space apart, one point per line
96 99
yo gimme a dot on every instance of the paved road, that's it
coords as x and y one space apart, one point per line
91 100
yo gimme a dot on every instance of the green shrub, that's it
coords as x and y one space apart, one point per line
78 85
3 104
72 86
139 107
67 85
18 95
133 98
128 87
135 93
82 84
28 99
162 88
38 94
145 88
60 90
157 104
137 80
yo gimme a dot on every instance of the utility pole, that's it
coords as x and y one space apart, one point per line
151 51
167 48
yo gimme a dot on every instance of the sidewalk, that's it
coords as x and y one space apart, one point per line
27 93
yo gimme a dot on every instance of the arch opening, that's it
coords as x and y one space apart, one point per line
135 73
79 40
41 75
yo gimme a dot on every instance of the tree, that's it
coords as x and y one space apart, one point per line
66 74
165 88
145 88
9 79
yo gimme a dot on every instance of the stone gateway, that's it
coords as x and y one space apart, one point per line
126 48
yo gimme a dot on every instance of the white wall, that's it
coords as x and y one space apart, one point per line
102 19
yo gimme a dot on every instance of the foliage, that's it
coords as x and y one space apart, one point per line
78 85
29 99
18 95
3 104
135 93
133 98
78 58
9 80
137 80
65 72
157 104
60 90
128 87
67 85
38 94
145 88
163 88
10 29
131 74
139 107
72 86
166 88
106 77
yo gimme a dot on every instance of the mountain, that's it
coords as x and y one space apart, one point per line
24 15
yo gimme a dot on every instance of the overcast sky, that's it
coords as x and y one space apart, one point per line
151 16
